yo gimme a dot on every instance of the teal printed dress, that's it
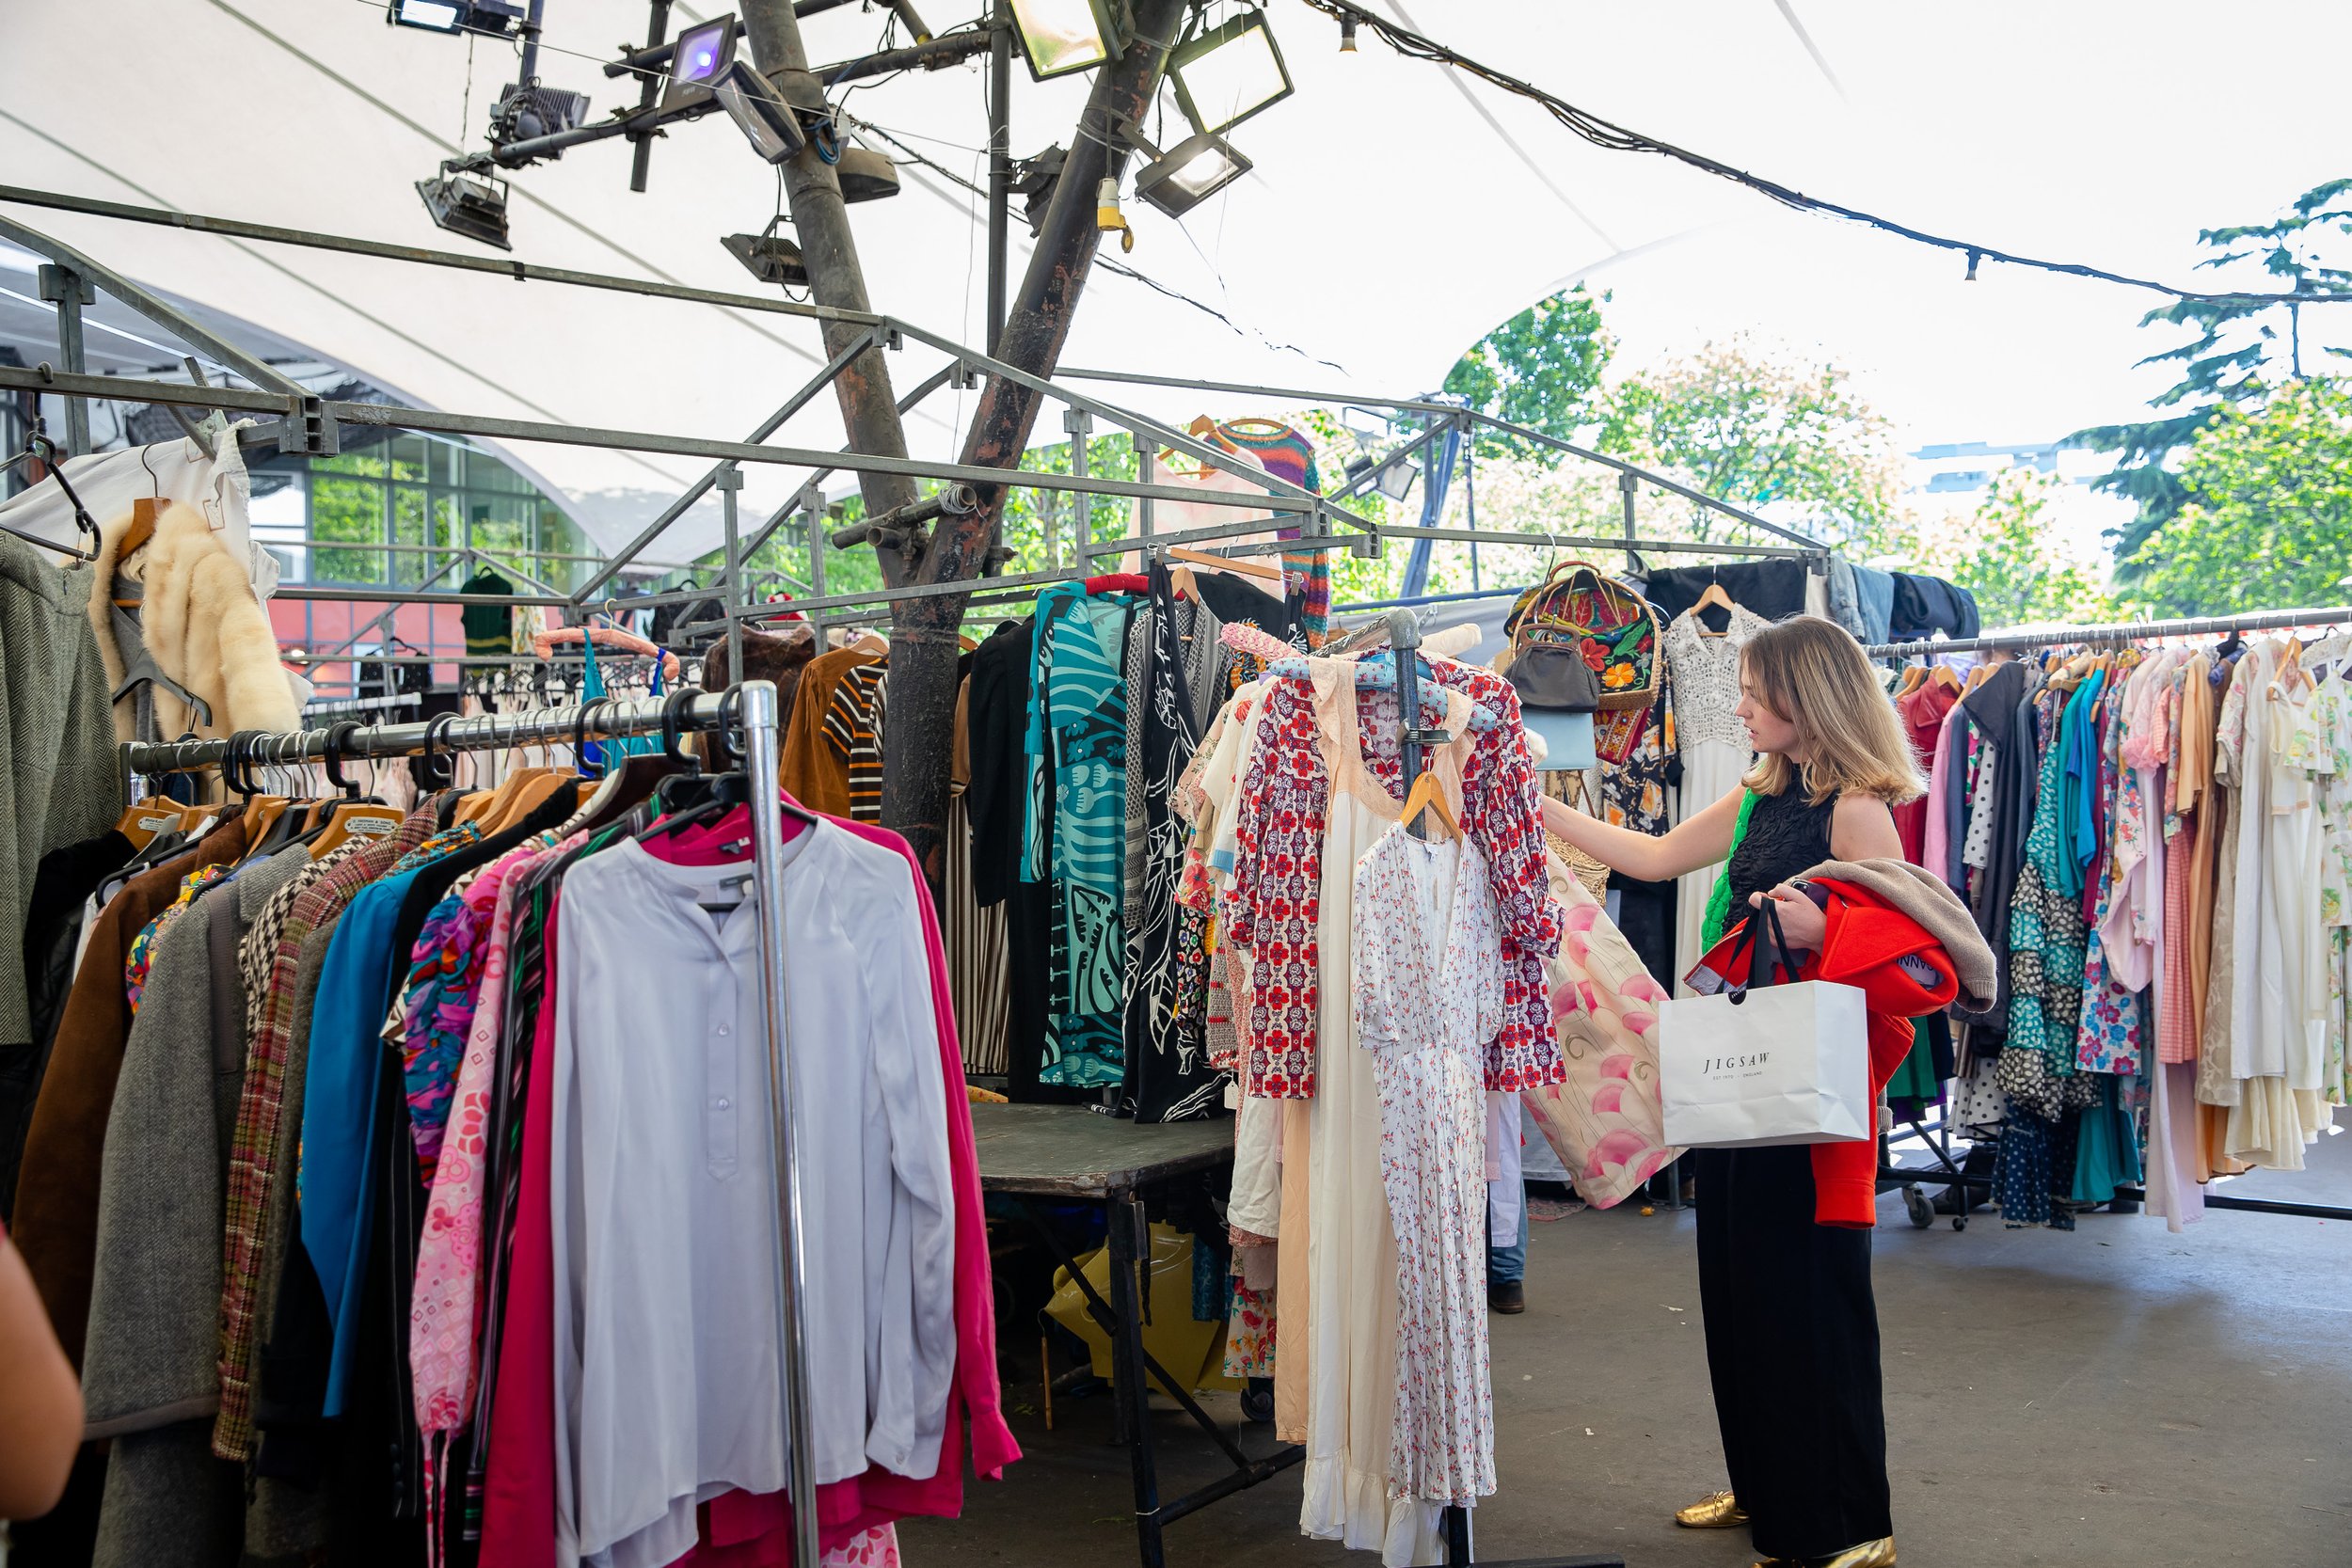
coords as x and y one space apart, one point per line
1079 734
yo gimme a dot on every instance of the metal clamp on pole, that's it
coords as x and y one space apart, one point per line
308 430
894 527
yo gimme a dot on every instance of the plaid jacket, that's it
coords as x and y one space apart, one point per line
285 923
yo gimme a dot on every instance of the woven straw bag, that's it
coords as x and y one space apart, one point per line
1610 624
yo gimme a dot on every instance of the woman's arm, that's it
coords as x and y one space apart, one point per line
1859 829
1862 828
41 1399
1701 839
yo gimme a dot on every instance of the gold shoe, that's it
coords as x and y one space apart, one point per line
1869 1553
1716 1511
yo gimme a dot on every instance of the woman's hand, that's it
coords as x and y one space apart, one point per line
1802 921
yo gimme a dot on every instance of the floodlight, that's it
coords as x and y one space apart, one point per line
491 17
703 51
769 257
1396 477
1034 181
759 112
1062 36
1189 173
439 16
866 175
525 111
1227 74
475 209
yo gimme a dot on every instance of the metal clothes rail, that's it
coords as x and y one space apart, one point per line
2118 632
752 706
301 422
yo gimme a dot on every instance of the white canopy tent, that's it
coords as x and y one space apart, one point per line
1396 213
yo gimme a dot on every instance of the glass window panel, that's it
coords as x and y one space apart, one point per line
347 511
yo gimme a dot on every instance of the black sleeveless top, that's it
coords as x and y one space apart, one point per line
1785 836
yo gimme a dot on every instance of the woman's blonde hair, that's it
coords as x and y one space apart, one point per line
1812 673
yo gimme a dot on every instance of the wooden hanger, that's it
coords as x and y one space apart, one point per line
1712 596
1945 675
1180 582
144 819
1914 677
872 644
346 820
1225 563
1428 793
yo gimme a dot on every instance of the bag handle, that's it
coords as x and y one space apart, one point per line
1768 917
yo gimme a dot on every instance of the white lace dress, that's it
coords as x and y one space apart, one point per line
1713 746
1427 967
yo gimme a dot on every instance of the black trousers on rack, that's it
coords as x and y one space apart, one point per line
1793 1349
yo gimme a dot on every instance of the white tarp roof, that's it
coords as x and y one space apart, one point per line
1389 222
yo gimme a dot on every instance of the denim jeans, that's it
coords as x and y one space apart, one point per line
1507 1265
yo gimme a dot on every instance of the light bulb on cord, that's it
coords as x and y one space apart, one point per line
1347 35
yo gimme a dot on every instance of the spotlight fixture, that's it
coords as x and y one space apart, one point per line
759 111
527 110
866 175
493 18
1347 34
1396 477
1062 36
1229 73
1034 181
466 206
1198 167
769 257
1188 173
703 53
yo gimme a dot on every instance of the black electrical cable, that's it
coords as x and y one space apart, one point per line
1614 138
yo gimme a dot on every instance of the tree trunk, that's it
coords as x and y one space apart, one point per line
923 646
869 410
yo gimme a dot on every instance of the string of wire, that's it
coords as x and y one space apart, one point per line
1614 138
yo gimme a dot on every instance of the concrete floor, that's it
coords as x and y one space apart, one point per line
2116 1396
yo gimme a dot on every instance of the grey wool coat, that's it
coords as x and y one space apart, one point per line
150 1377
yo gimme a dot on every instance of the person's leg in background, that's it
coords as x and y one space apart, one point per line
1506 1265
1506 1206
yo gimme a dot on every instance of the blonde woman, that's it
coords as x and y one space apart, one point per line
1792 1337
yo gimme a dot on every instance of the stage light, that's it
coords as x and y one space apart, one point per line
1189 173
866 175
1227 74
525 111
1034 181
493 18
1062 36
463 205
703 51
759 112
769 257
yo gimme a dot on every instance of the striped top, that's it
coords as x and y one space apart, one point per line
853 727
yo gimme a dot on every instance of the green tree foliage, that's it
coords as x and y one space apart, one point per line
1541 368
2269 522
1758 429
2006 554
2231 360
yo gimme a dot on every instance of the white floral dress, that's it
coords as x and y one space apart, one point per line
1428 982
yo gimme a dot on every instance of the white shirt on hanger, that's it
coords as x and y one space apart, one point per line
664 1190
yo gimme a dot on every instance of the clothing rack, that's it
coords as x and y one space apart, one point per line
1947 1173
751 708
2126 631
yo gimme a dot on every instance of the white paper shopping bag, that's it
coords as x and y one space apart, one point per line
1764 1065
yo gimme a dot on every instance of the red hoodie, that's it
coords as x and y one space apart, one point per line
1902 972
